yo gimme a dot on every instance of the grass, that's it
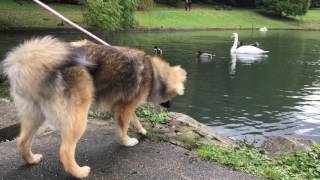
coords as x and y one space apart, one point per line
153 117
29 15
301 165
206 17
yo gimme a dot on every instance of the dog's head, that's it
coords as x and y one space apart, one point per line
168 81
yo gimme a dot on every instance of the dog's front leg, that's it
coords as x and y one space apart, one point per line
124 113
137 125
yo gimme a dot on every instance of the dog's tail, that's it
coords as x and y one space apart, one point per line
30 63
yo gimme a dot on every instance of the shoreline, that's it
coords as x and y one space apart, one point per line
181 131
144 30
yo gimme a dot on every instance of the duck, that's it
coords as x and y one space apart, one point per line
256 44
263 29
60 24
203 55
157 50
246 49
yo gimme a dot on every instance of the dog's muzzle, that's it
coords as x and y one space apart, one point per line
166 104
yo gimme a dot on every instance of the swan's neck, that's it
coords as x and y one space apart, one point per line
235 43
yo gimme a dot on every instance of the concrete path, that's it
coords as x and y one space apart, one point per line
99 149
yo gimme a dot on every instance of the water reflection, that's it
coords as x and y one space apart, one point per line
204 59
245 59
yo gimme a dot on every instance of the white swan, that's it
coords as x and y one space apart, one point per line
263 29
244 49
249 58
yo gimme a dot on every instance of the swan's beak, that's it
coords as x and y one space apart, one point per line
232 36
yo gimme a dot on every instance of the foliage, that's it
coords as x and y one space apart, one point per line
285 7
110 14
300 165
103 14
153 117
145 5
127 13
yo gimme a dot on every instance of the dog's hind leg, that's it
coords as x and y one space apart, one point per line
75 121
31 120
71 134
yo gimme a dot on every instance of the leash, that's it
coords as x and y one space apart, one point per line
54 12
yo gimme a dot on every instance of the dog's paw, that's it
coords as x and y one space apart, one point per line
35 159
131 142
143 131
82 172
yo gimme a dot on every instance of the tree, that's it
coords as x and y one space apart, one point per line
285 7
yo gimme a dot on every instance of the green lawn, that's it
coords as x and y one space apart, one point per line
29 15
200 17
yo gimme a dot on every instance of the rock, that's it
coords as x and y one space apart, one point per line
279 146
184 131
204 135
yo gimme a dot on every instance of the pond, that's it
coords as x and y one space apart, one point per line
243 97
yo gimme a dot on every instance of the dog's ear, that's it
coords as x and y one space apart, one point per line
177 78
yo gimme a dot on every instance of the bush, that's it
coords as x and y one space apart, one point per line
110 14
285 7
127 13
144 5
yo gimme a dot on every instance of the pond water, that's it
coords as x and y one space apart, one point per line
243 97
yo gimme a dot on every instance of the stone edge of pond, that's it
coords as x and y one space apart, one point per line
179 129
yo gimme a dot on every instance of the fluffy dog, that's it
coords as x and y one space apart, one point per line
57 81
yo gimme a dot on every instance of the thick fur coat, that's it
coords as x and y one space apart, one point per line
56 81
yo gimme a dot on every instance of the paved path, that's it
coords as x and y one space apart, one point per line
108 160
